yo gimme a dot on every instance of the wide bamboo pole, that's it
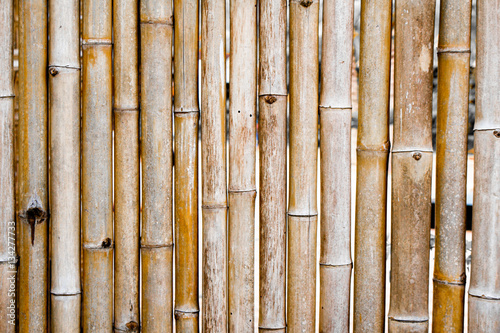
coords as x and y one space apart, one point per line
484 292
33 169
371 173
186 117
213 154
156 151
241 187
411 166
97 181
302 210
451 165
64 85
272 160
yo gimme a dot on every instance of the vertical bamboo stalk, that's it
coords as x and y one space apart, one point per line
97 182
411 166
272 160
302 210
451 165
7 196
126 122
371 173
33 189
335 116
484 292
242 190
64 85
213 154
186 117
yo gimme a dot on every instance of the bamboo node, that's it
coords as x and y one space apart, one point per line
417 155
34 214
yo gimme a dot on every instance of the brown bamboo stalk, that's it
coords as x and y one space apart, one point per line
186 117
302 210
242 189
97 181
451 165
64 85
411 166
371 172
33 180
213 154
484 291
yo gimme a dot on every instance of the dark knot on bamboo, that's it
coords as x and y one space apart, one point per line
496 133
306 3
270 99
417 155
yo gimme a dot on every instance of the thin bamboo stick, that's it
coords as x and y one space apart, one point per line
411 166
451 165
186 117
64 85
372 161
302 210
97 186
484 292
33 180
213 154
242 189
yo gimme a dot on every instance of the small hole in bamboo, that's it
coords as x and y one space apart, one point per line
417 156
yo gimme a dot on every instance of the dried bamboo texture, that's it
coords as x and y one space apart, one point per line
242 189
411 166
186 117
272 160
484 292
302 210
213 154
451 165
64 85
371 172
8 265
156 149
33 181
97 175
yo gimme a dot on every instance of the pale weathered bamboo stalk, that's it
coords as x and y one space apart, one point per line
186 117
33 169
213 155
411 166
242 188
371 172
126 163
302 205
97 181
64 85
451 165
484 292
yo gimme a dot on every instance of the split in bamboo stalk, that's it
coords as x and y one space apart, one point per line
156 149
64 81
484 291
33 181
411 166
242 190
451 165
372 161
186 116
302 206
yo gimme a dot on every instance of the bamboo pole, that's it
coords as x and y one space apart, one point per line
186 117
335 116
302 210
64 85
451 165
372 161
484 292
213 154
97 188
8 265
33 189
242 188
272 160
411 166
